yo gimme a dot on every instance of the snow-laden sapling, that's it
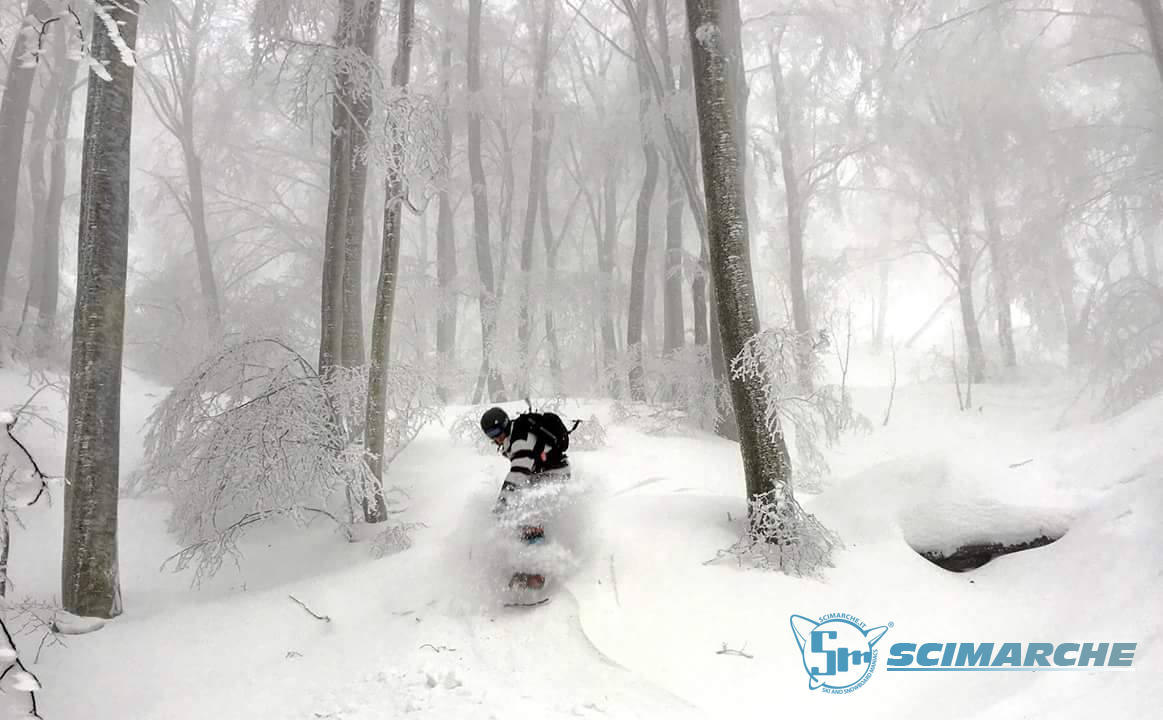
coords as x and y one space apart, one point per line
254 433
15 678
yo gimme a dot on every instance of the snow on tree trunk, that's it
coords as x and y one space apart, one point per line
766 468
634 322
13 113
480 206
89 577
536 189
374 508
446 268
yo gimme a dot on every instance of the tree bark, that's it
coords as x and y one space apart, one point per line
765 461
89 577
375 509
446 267
13 114
641 228
480 205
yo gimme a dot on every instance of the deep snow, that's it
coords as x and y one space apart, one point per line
633 632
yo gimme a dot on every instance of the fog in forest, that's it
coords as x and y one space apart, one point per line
254 252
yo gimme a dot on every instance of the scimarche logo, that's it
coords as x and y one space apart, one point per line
839 654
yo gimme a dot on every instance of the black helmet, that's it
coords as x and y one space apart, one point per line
495 422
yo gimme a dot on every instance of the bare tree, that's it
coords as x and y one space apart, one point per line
13 113
674 327
765 461
480 206
89 576
642 218
537 132
446 267
375 510
172 94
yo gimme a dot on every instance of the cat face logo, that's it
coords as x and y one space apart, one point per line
838 653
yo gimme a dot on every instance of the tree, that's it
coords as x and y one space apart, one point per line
13 112
389 278
537 133
765 460
446 267
674 327
480 207
89 576
172 94
642 217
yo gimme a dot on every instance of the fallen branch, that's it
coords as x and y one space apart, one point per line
1019 464
309 611
438 648
729 651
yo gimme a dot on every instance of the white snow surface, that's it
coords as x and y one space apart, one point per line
633 627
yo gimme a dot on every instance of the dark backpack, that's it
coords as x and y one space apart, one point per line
553 427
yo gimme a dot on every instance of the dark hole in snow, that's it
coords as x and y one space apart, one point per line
974 555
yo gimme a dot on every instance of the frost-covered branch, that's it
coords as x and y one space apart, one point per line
22 680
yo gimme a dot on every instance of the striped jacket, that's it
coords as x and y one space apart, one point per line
529 452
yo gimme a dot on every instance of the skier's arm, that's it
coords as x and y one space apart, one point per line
523 453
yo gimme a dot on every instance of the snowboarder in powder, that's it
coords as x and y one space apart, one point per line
535 445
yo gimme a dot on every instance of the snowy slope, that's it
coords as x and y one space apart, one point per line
633 633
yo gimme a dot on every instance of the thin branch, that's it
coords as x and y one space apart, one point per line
312 613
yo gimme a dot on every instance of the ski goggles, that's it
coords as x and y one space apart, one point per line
495 432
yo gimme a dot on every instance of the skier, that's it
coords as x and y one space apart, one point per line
535 444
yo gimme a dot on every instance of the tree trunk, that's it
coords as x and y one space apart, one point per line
480 206
765 460
881 309
38 190
89 577
673 322
536 189
968 315
201 235
13 113
607 247
374 508
801 317
1001 279
551 247
365 36
641 230
51 233
1153 14
446 268
338 197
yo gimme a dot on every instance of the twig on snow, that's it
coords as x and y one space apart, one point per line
729 651
312 613
1019 464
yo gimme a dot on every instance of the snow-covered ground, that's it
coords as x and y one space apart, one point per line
634 632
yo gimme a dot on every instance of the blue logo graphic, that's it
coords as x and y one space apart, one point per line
839 654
